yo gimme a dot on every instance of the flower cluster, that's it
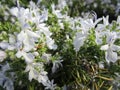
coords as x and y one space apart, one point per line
28 39
101 31
44 39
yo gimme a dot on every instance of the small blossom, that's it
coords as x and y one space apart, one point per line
101 30
50 43
6 82
50 85
46 57
79 40
29 57
33 74
2 55
4 44
56 65
42 77
110 48
101 65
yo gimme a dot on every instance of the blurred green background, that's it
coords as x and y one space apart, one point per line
78 7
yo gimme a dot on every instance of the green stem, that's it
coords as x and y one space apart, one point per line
31 87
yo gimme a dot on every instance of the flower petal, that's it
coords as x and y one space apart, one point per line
111 56
115 48
2 55
104 47
78 41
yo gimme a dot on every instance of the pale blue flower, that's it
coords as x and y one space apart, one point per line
101 30
6 82
4 44
56 64
110 48
29 57
50 85
3 55
42 77
33 74
50 43
79 41
46 57
86 25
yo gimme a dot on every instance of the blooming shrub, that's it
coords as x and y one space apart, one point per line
43 48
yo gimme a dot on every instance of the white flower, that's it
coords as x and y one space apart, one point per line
2 78
116 81
56 12
50 85
36 71
6 82
35 53
118 19
44 29
101 30
106 21
4 44
101 65
46 57
33 73
110 48
111 56
50 43
62 4
12 39
14 11
2 55
8 85
56 65
30 68
42 77
38 2
99 34
32 34
29 57
86 25
11 45
79 41
28 38
32 5
44 16
5 67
